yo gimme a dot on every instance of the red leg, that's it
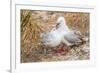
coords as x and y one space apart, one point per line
61 50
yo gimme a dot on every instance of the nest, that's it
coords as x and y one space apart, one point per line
33 23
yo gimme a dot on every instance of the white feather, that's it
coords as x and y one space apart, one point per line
61 34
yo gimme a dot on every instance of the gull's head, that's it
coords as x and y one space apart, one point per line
61 22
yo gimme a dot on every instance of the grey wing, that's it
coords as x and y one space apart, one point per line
47 37
72 38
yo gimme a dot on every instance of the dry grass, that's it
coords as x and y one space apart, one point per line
33 23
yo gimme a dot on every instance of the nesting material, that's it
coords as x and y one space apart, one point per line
33 23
